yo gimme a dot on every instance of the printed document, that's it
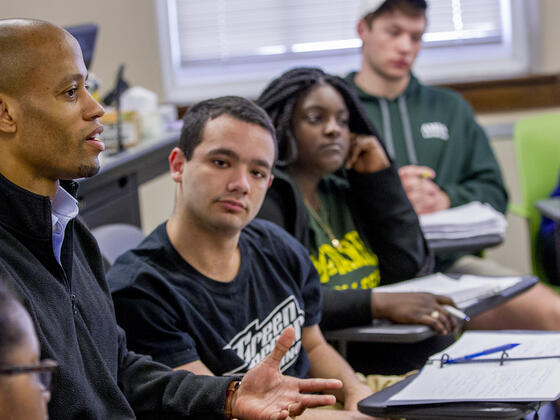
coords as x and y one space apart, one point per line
464 291
466 221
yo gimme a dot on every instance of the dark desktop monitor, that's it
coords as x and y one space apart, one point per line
86 35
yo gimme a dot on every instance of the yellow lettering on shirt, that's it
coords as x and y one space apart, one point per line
351 255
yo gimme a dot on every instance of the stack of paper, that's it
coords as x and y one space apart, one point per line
537 379
467 221
464 291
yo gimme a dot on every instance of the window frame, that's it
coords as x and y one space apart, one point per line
440 64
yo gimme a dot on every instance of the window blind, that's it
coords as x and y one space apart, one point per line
229 31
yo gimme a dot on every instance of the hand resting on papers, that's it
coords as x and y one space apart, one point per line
414 308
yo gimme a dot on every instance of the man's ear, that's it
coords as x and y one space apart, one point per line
270 180
177 163
7 114
363 29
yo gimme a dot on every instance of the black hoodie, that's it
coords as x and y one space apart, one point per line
70 305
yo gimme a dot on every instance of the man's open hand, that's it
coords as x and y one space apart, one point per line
266 394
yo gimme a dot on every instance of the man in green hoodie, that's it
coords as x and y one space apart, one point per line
444 156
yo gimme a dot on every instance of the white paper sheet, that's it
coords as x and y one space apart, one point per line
532 380
466 221
462 290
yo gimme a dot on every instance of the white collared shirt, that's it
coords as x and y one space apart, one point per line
64 208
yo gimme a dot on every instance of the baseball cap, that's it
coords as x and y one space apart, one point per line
369 6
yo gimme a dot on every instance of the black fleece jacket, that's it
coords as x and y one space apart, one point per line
97 377
385 220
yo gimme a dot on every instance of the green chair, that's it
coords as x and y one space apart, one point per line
537 151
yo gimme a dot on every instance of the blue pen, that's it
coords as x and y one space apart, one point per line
483 353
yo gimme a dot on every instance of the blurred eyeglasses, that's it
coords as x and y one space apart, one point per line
44 370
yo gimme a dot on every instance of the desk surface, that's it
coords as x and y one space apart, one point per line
375 405
387 332
111 196
382 331
149 156
550 208
478 243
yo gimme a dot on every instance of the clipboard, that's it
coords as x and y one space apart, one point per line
467 381
475 244
384 331
376 405
492 301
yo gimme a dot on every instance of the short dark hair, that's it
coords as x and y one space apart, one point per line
11 333
199 114
412 8
281 95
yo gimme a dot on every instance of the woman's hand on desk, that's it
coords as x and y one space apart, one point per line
414 308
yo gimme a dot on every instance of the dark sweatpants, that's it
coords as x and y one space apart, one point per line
394 359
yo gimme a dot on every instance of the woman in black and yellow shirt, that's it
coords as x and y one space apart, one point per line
359 227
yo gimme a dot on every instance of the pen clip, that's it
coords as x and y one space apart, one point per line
503 357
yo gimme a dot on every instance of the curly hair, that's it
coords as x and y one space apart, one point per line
279 98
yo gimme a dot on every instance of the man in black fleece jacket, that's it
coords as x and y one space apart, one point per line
49 134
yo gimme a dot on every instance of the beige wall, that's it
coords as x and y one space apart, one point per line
514 252
127 34
549 61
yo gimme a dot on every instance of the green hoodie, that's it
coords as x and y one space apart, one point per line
435 127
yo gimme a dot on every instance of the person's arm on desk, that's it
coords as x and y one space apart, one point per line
359 307
414 308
